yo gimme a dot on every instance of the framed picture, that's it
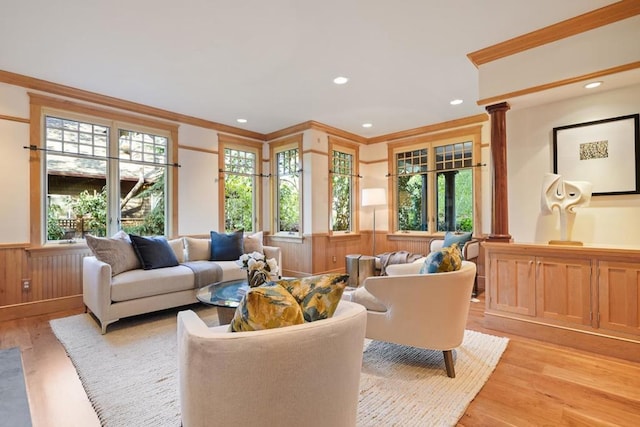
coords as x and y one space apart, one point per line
604 152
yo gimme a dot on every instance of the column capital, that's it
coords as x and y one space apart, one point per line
502 106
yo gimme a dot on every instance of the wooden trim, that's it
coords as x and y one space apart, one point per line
440 136
465 121
109 101
371 162
35 179
579 24
564 82
173 228
75 107
311 124
14 119
318 152
19 311
232 139
202 150
14 245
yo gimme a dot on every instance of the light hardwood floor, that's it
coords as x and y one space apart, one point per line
535 384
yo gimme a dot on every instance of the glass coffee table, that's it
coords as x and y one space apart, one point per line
226 296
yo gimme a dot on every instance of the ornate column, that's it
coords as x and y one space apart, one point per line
499 203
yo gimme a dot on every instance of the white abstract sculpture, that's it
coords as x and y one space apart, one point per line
566 196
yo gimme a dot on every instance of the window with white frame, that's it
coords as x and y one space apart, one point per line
433 185
288 189
102 176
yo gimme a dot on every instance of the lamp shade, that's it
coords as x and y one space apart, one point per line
373 197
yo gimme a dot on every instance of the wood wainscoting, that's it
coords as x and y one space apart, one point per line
54 275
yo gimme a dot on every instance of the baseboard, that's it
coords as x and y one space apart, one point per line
620 348
37 308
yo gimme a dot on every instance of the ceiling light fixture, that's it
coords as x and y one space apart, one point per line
592 85
340 80
366 125
241 120
456 102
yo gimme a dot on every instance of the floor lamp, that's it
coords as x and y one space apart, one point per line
374 197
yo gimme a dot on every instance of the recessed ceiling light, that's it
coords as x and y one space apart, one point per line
241 120
340 80
456 102
592 85
366 125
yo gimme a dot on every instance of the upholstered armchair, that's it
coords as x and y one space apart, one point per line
306 374
419 310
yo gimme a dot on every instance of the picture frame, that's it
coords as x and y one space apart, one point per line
605 153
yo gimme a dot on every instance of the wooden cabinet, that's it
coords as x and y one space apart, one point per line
511 282
577 296
619 296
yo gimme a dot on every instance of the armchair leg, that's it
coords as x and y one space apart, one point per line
448 363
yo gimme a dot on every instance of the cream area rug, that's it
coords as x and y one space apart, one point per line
130 373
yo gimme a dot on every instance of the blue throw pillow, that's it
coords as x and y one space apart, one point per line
451 237
226 247
153 252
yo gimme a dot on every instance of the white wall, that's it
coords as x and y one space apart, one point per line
608 220
14 166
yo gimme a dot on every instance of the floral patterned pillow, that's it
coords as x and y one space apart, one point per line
318 295
445 259
266 307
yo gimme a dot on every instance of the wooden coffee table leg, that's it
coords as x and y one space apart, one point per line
225 314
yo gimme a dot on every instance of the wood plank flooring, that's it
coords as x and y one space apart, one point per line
535 383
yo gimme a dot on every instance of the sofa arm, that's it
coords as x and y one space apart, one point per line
274 252
96 286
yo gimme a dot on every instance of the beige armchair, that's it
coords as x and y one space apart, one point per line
305 374
420 310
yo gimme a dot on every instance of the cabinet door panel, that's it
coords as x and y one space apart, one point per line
619 296
512 287
564 289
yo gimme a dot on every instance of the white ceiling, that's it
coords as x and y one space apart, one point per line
272 62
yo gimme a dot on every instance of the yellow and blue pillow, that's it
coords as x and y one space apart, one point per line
319 295
443 260
266 307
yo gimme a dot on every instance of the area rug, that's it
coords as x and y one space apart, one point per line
130 373
14 404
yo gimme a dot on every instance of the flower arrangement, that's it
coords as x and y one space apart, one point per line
258 267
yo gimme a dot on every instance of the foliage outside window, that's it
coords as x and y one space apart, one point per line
288 190
434 187
342 190
240 185
95 171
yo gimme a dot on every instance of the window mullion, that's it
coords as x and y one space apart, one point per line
113 183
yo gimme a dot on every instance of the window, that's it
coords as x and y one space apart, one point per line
343 171
241 185
100 173
288 188
434 183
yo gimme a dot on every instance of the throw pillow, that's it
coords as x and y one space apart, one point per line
226 247
266 307
153 252
177 245
319 295
116 251
451 237
445 259
197 249
254 243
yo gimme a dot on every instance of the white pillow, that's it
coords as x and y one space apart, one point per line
178 248
197 249
253 243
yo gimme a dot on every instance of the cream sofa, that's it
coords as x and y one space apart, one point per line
139 291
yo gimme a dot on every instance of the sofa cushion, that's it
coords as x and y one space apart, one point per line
442 260
116 251
266 307
153 252
319 295
452 237
254 243
140 283
197 249
226 247
177 245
